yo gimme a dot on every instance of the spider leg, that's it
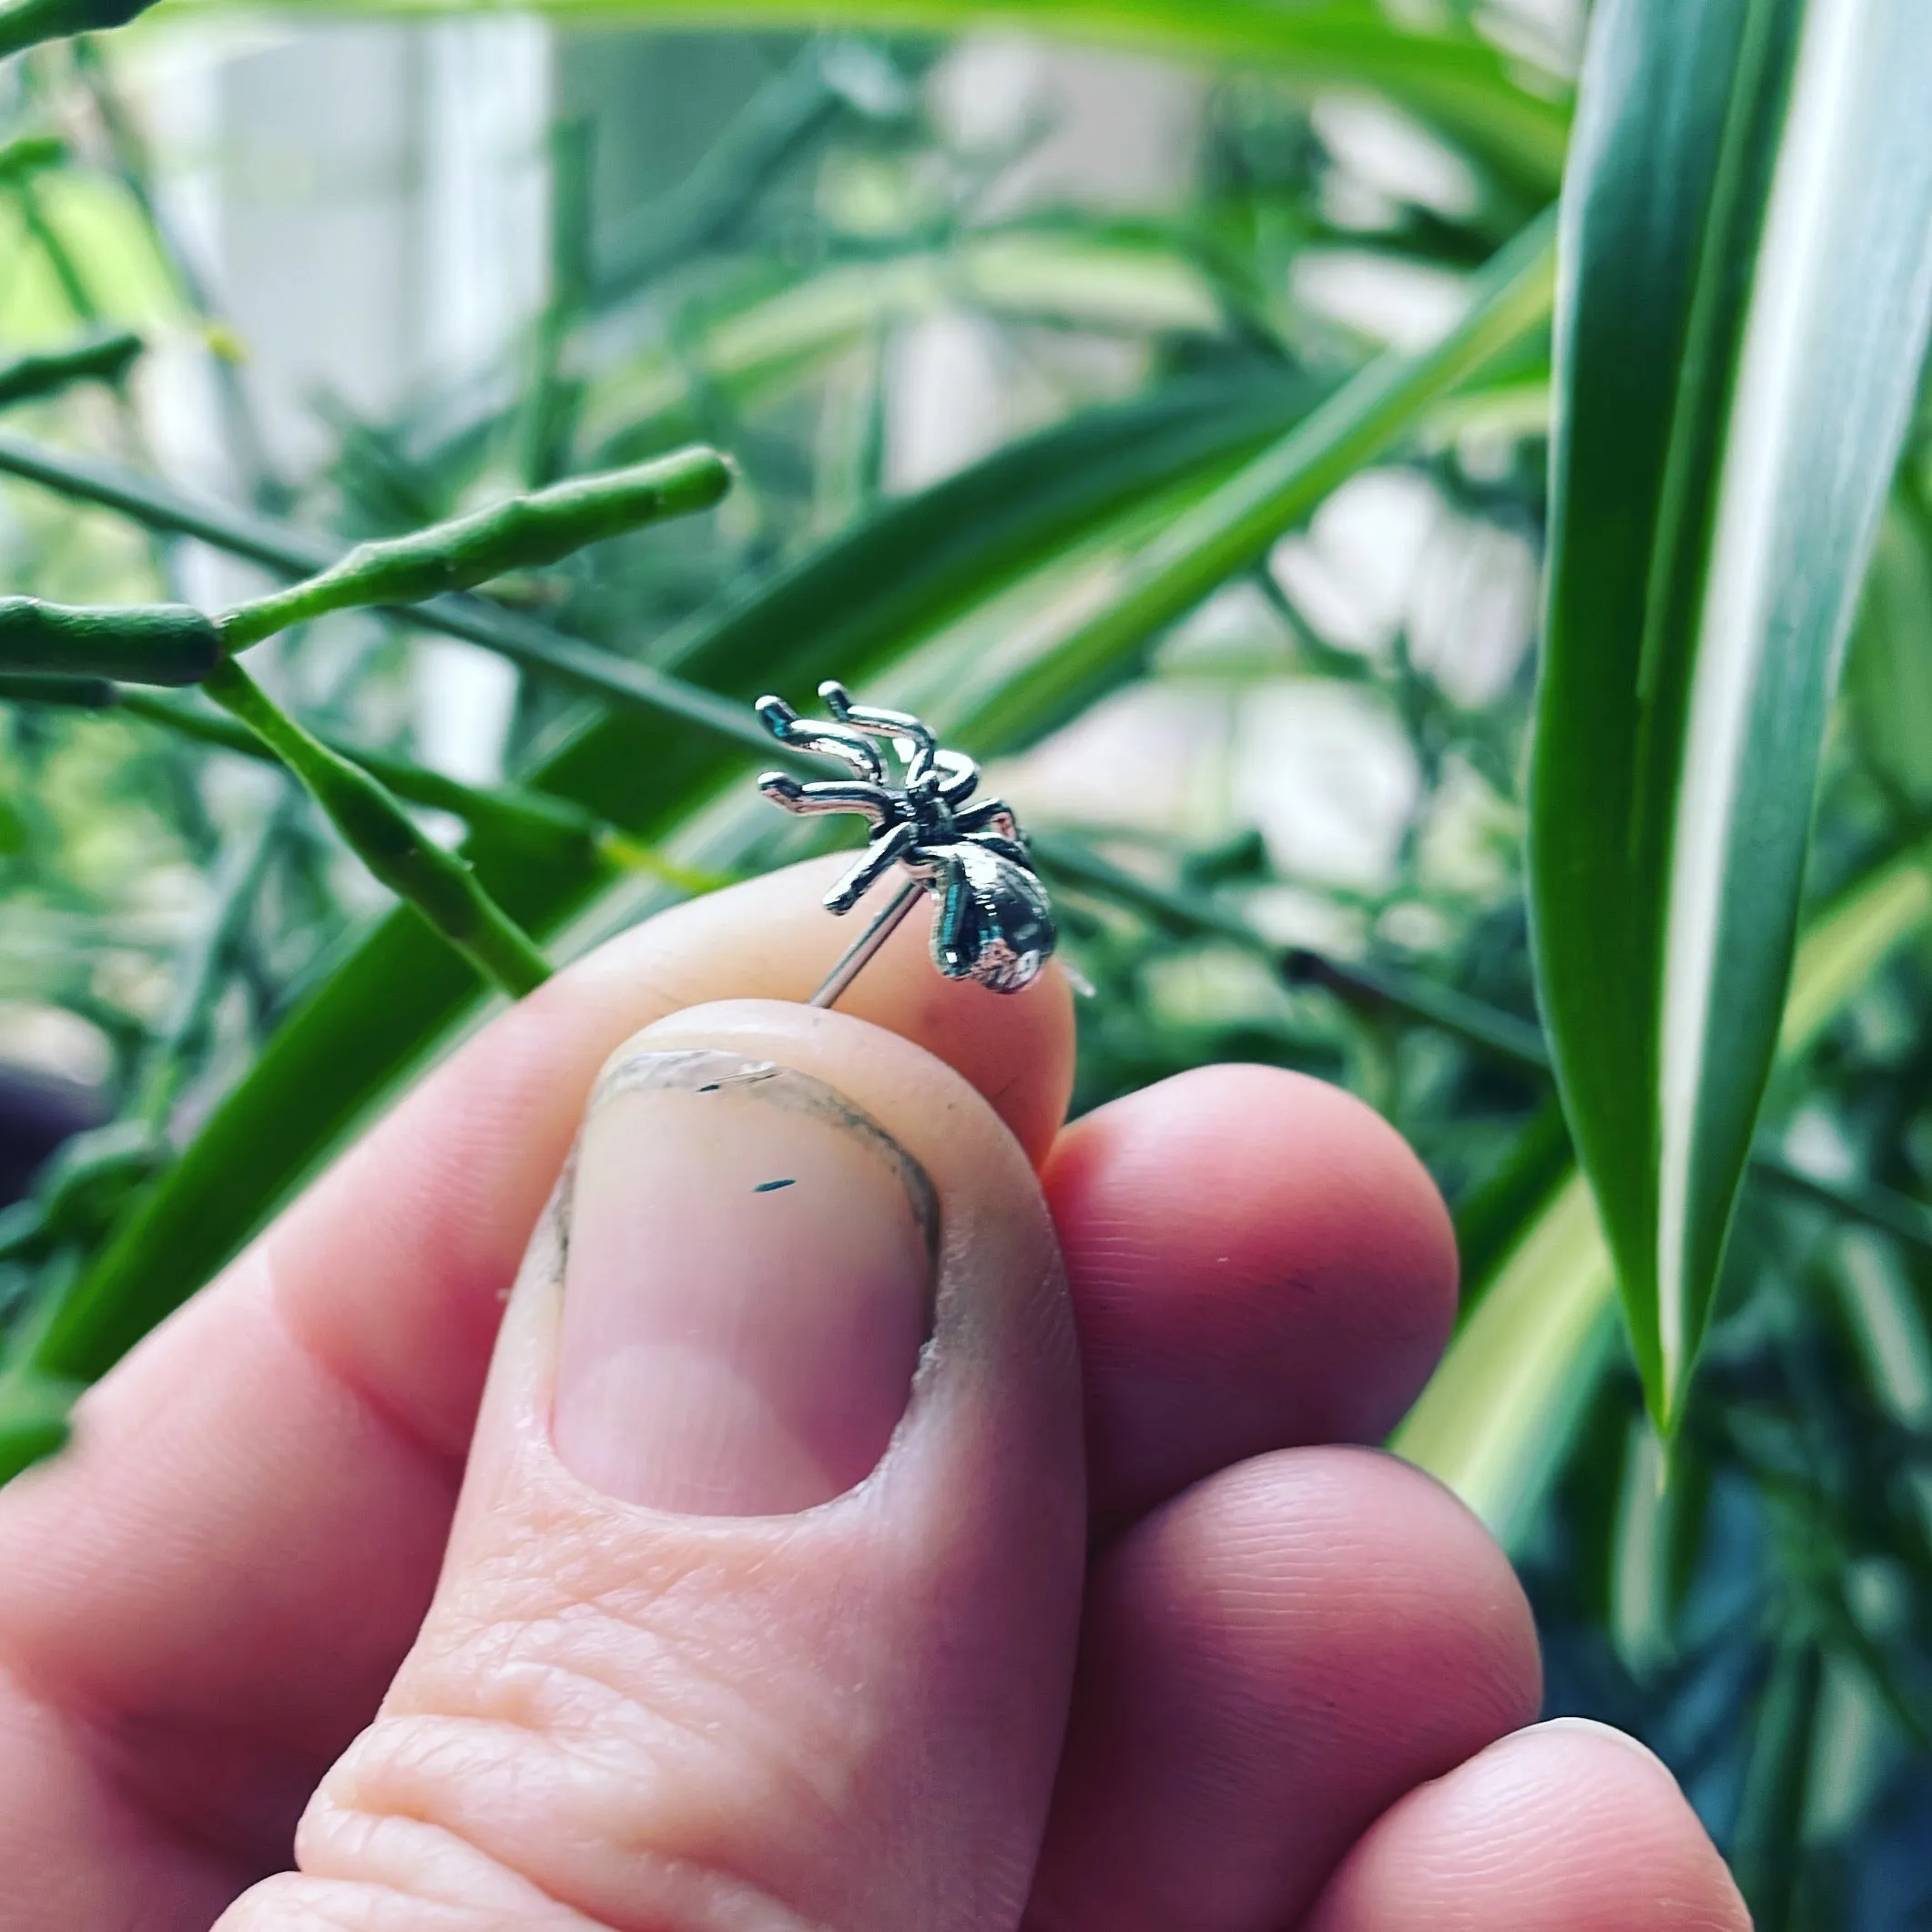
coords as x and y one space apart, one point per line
880 857
831 795
960 776
994 813
873 719
833 740
876 722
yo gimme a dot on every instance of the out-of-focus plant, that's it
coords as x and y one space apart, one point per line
1703 1082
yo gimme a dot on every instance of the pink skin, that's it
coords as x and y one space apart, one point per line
202 1606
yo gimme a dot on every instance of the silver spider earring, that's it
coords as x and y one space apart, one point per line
995 924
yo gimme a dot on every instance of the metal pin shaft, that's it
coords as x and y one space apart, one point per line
859 955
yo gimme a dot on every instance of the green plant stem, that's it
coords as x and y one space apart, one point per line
441 887
1881 1208
28 23
547 418
519 815
292 554
74 694
153 643
1769 1836
133 166
505 812
526 533
741 164
1498 1035
104 356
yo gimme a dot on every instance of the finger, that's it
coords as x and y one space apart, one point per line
207 1595
1270 1661
833 1694
1569 1828
1256 1260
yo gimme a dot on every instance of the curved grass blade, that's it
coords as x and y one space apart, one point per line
375 1014
1495 1421
33 1423
1745 297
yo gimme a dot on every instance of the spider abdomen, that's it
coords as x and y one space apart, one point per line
995 926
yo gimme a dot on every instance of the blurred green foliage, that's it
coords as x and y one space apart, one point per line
1303 845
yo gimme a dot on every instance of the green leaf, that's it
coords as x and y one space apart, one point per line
1889 678
33 1422
1770 1838
1496 1419
376 1013
1447 75
27 154
1235 526
101 356
751 345
26 23
1744 298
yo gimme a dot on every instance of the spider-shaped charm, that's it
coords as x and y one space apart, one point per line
995 925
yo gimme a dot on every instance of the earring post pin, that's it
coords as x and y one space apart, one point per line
859 955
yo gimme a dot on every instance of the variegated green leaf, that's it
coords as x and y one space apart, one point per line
1497 1420
1745 293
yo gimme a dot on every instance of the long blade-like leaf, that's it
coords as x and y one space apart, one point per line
1745 291
1496 1419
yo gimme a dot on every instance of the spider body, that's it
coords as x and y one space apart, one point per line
994 924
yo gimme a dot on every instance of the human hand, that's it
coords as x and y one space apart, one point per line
692 1663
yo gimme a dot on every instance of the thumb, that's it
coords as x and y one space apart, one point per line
760 1604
